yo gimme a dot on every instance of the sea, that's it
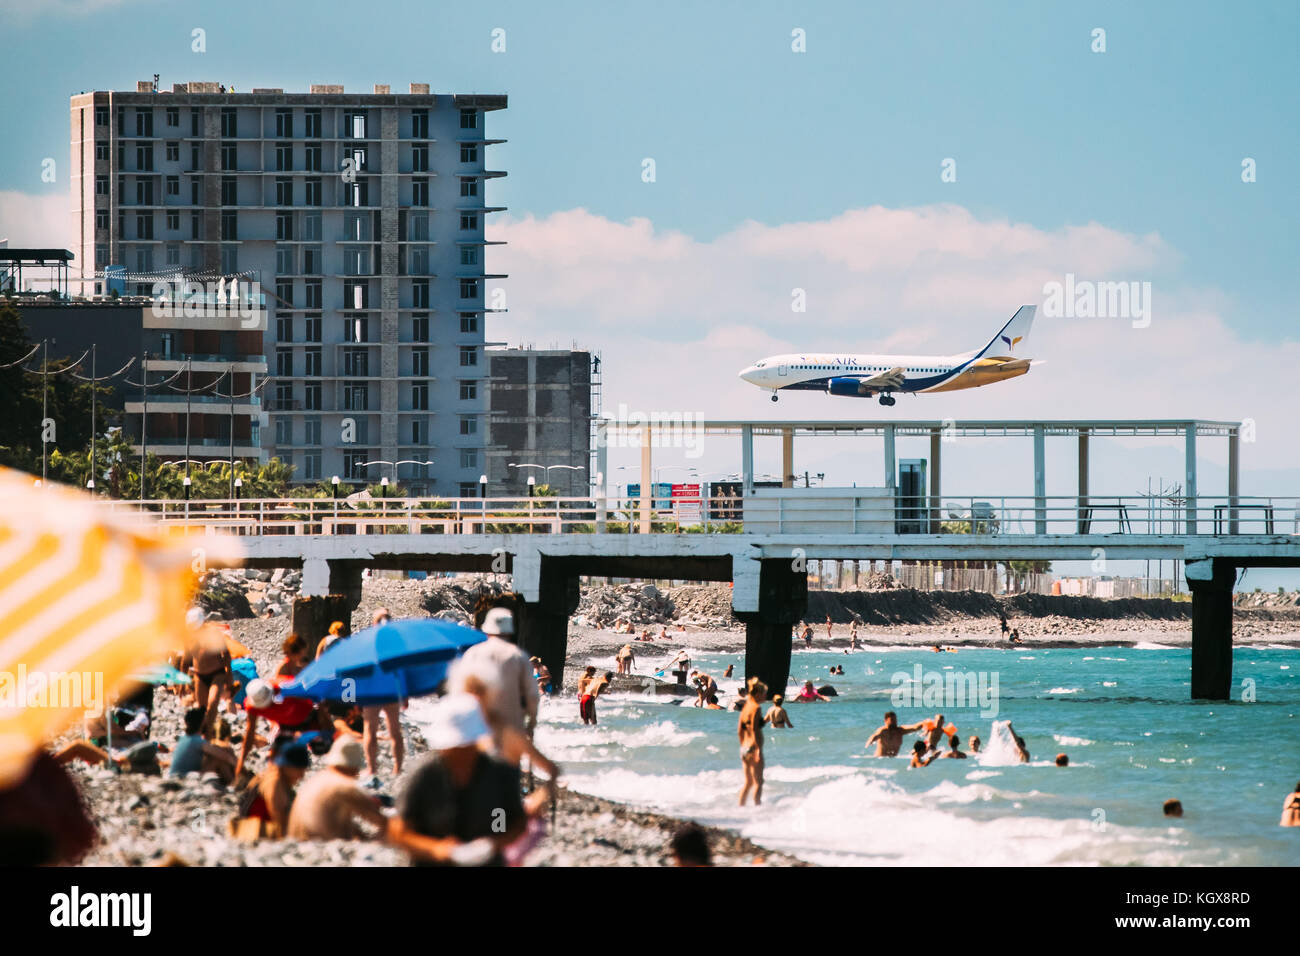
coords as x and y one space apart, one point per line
1122 715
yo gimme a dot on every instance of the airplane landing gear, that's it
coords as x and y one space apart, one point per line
887 400
774 396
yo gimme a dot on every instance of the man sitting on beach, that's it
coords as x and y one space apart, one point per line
193 754
460 807
270 794
889 738
329 803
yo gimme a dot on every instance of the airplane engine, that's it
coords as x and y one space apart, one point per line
848 387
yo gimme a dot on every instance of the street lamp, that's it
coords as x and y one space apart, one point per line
335 482
532 484
90 485
239 484
186 482
383 487
482 486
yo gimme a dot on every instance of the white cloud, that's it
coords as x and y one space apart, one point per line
677 318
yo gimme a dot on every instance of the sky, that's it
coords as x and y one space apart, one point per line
817 174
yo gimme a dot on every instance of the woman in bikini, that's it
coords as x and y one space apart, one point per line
749 729
1291 809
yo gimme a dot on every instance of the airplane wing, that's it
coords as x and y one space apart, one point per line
891 379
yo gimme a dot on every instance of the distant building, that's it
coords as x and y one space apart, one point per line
362 218
540 413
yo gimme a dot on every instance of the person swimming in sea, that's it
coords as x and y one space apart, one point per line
888 738
809 694
954 748
920 756
973 744
776 716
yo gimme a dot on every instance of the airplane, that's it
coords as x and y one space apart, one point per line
865 376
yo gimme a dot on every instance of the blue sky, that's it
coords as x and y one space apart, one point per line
778 170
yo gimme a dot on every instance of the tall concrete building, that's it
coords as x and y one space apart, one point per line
362 218
541 404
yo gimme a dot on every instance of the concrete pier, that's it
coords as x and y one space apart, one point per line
1211 583
782 601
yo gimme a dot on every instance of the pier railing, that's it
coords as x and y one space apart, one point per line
827 514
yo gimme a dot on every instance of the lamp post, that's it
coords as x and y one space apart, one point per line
335 483
532 484
482 486
186 482
239 484
90 486
383 487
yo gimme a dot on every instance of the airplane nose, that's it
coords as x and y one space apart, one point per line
747 373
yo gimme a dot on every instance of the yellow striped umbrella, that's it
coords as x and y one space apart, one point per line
86 597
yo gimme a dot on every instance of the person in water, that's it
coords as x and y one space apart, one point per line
729 670
973 744
920 756
1291 809
749 730
776 716
1173 808
1062 760
1021 750
889 737
711 703
587 703
809 693
954 748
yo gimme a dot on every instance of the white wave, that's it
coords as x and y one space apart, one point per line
1064 690
1065 741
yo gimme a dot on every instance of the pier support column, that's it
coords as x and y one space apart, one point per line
787 458
1084 515
1189 453
782 601
345 579
1040 481
543 625
1211 583
936 463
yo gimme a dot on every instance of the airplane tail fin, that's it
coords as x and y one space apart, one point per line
1013 335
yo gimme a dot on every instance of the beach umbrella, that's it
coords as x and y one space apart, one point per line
387 663
159 675
87 596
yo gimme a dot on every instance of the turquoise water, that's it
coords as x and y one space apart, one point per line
1121 714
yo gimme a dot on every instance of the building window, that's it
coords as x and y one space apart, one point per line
468 390
284 123
420 397
174 116
417 227
356 260
283 397
469 152
284 226
311 124
469 221
419 431
143 122
468 425
284 192
354 125
101 185
101 152
420 362
173 185
311 430
311 330
468 356
229 191
284 363
311 260
284 328
284 431
144 192
173 254
311 157
419 124
101 115
420 159
356 294
144 157
101 219
229 156
358 193
418 259
229 225
468 188
144 225
312 294
196 120
469 288
311 192
420 328
229 121
284 260
420 293
468 322
419 192
173 153
356 328
469 255
469 458
469 119
356 396
311 465
311 362
196 225
284 156
196 159
311 397
356 362
173 222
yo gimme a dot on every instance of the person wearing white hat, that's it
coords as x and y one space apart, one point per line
517 704
460 806
330 803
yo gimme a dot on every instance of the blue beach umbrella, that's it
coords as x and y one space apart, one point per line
383 664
